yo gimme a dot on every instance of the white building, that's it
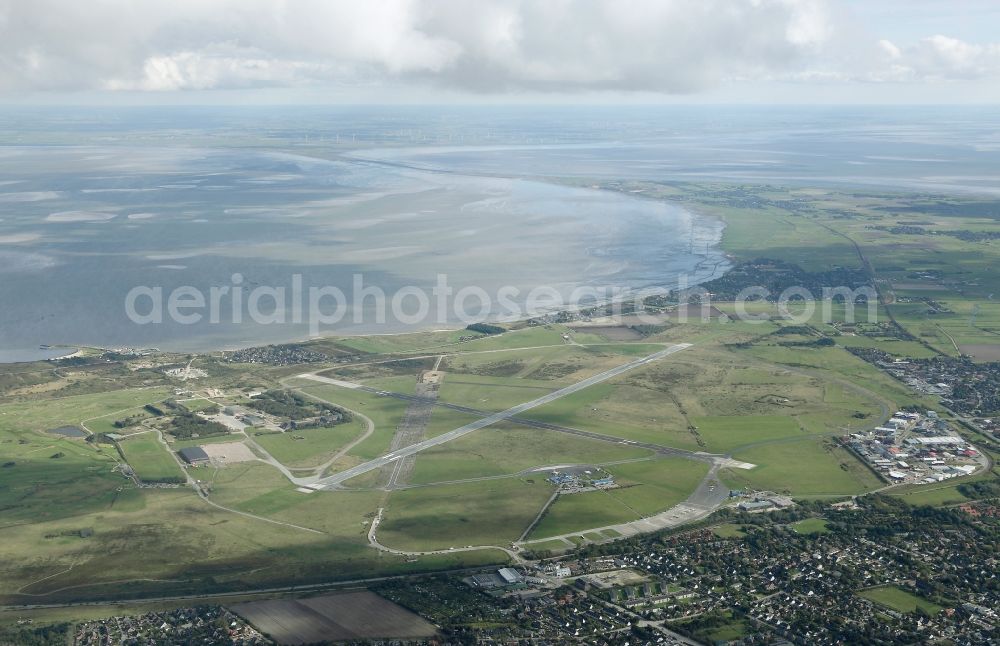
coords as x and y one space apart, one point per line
509 575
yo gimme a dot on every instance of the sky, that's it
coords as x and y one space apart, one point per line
499 51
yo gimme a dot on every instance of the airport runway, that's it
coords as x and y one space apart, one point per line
523 421
337 479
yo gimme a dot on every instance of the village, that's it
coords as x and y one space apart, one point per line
206 625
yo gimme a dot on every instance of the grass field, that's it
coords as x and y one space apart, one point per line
492 393
401 343
554 546
650 487
837 363
723 630
195 405
41 488
309 447
162 534
647 488
621 410
508 449
19 418
385 413
805 467
934 496
900 600
810 526
448 341
446 419
49 477
106 423
553 363
185 544
523 338
726 632
151 460
238 484
729 530
494 512
580 511
176 445
722 434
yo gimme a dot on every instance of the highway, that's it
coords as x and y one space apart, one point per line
337 479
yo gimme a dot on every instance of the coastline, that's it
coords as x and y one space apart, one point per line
11 356
709 262
165 348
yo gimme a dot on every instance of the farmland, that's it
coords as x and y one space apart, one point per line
336 617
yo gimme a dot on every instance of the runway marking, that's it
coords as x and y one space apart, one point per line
337 479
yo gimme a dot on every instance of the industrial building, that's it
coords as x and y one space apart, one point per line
756 505
194 455
510 575
943 440
915 449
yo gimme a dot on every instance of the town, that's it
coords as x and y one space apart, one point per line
966 387
911 448
865 571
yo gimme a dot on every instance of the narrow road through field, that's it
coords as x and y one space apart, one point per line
708 497
373 541
342 451
191 482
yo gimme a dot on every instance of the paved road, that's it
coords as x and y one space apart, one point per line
373 541
336 480
709 496
569 430
411 430
523 421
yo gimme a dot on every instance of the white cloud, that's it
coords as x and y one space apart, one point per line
890 49
668 46
216 66
811 25
944 57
